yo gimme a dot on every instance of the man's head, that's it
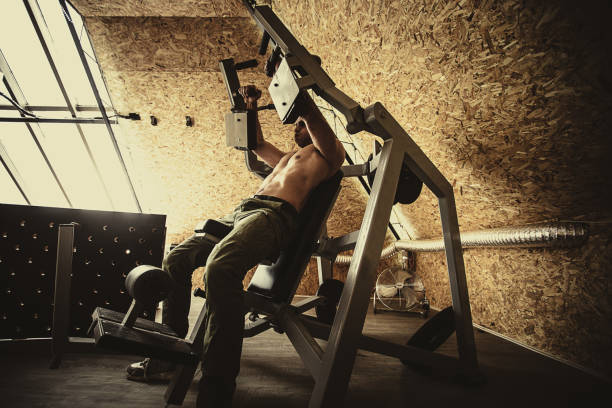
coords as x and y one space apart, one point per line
301 136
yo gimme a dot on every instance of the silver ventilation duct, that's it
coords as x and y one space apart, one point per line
552 234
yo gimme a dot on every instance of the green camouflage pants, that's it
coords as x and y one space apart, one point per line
262 227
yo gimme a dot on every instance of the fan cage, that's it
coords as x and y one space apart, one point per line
397 289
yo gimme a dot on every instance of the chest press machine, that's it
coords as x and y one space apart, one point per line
273 286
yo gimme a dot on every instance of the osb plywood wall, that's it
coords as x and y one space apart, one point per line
168 67
511 100
161 8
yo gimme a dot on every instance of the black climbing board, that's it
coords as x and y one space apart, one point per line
107 246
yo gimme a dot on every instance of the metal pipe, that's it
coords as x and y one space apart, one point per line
25 119
551 234
47 108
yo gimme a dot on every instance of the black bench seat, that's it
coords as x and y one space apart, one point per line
144 324
145 338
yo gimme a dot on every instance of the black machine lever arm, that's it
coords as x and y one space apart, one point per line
230 77
269 106
308 65
265 40
232 84
252 63
330 248
239 124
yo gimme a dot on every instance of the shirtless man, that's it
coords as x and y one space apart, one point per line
319 156
261 227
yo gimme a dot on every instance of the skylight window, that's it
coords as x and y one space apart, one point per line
26 57
70 164
37 179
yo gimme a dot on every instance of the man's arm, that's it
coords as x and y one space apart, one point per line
323 137
264 150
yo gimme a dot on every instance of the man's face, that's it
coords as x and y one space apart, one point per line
301 136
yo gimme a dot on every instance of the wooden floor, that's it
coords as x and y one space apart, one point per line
272 375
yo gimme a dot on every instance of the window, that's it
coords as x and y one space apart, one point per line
68 164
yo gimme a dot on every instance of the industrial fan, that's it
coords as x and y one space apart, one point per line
398 290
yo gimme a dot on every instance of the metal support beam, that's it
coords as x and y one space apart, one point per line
306 346
96 93
325 265
44 36
77 121
365 186
10 82
61 298
306 304
383 123
46 41
356 170
330 248
183 376
339 356
47 108
325 269
413 354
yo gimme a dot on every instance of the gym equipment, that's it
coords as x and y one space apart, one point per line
270 293
330 290
212 230
434 332
240 124
297 72
408 187
58 264
148 286
273 59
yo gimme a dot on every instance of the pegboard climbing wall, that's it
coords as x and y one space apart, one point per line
107 246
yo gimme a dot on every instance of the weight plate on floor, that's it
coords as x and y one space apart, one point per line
434 332
331 290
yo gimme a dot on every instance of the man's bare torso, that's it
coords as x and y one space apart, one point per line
295 175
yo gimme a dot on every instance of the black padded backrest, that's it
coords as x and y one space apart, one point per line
280 280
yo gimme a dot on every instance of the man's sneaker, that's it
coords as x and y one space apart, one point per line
151 370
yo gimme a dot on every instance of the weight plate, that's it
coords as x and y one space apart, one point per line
409 186
331 290
435 331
